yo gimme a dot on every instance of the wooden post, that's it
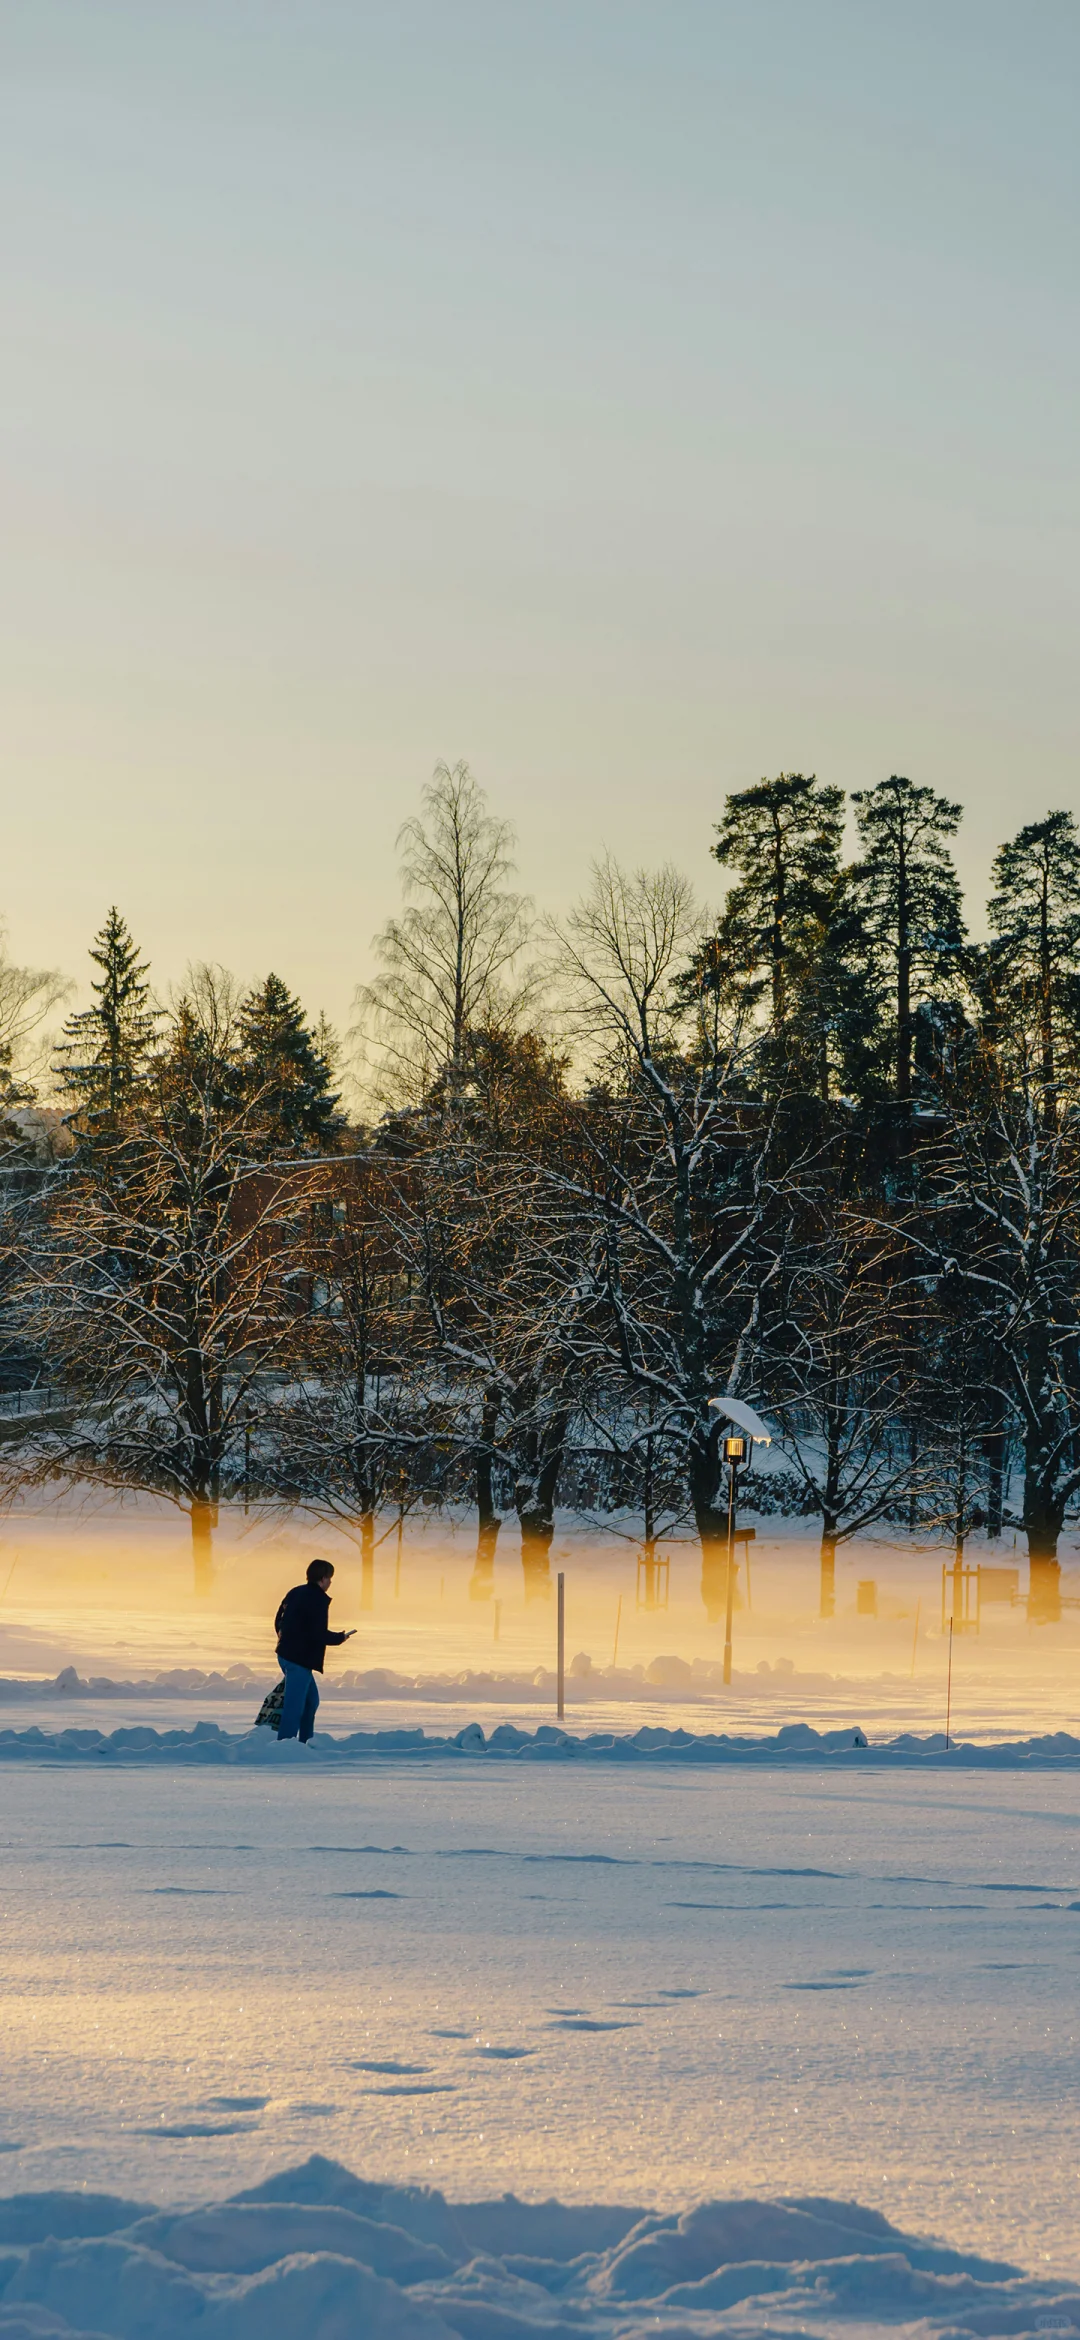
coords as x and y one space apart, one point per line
561 1676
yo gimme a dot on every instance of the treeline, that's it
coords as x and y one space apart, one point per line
821 1154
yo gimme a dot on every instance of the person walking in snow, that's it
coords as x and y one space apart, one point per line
302 1625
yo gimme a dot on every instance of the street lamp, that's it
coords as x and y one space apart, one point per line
738 1447
737 1451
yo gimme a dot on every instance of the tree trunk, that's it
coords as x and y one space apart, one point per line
534 1498
1044 1506
913 1460
202 1545
1043 1516
367 1560
903 1027
1046 1017
828 1568
903 980
1044 1592
484 1464
779 985
482 1580
994 1450
705 1477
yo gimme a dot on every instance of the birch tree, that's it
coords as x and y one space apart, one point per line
452 961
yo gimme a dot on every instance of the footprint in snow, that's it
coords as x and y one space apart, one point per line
237 2103
422 2088
449 2034
11 2144
588 2023
200 2129
389 2069
504 2054
821 1986
375 1893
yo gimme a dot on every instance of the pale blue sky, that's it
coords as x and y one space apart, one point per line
631 398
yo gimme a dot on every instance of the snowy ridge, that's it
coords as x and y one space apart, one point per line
320 2253
207 1742
678 1679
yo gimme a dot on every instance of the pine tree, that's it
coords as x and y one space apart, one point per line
783 836
105 1048
1034 915
785 923
283 1067
908 893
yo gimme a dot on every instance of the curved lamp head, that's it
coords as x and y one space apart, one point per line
742 1418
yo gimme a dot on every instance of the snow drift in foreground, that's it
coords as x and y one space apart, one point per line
207 1742
320 2253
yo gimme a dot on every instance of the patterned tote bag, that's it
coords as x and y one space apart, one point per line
270 1710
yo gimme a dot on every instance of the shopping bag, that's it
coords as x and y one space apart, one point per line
270 1710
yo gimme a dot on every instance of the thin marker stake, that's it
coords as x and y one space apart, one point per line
562 1642
948 1694
618 1622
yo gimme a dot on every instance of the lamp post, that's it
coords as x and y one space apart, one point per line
736 1452
738 1446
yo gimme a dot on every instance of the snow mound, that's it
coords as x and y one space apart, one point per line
208 1742
683 1680
319 2252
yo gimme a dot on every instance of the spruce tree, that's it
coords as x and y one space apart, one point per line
282 1066
104 1052
908 894
1034 915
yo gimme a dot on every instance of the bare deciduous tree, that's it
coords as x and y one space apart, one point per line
452 961
164 1275
998 1230
678 1200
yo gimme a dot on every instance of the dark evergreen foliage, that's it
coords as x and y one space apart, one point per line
106 1048
284 1072
907 895
1033 964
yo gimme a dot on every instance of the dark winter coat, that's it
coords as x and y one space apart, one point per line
302 1625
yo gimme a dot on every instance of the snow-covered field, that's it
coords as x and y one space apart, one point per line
652 1977
652 1989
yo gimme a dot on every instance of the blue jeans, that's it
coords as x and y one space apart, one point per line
299 1703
